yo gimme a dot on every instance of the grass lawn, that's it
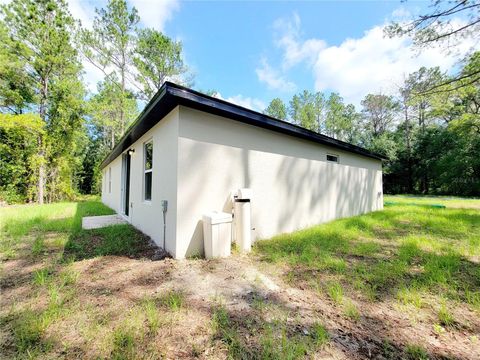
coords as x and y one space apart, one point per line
399 283
448 201
407 261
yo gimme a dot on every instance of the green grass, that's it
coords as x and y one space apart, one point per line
173 300
41 277
335 291
152 315
248 337
448 201
18 223
423 259
402 252
351 311
445 317
51 235
415 352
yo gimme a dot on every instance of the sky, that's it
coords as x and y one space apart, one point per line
253 51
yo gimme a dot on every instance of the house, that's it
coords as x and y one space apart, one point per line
187 153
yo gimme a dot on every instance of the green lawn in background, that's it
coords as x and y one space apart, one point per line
448 201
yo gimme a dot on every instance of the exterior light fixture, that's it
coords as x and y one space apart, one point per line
131 151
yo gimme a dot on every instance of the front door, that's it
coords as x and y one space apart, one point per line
126 184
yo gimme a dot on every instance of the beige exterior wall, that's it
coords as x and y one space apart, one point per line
200 159
293 185
147 215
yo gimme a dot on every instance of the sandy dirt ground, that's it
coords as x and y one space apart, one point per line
109 287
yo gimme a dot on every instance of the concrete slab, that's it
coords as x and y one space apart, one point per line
96 222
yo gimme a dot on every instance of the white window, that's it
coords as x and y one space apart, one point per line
110 180
147 170
332 158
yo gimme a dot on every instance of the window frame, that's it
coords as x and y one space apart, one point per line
337 157
146 171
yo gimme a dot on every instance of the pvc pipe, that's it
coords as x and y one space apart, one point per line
243 225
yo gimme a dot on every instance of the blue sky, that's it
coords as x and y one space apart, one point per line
251 52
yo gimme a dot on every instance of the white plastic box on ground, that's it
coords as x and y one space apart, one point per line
217 234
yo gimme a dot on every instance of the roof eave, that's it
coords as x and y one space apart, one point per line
171 95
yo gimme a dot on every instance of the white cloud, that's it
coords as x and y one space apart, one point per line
358 66
247 102
288 38
272 78
83 10
373 63
401 13
155 13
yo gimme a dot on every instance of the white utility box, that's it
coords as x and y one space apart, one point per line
217 234
243 221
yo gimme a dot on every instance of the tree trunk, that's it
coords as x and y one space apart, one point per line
41 153
41 171
113 139
122 115
409 150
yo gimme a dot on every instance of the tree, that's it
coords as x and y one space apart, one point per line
339 119
19 154
40 37
440 27
378 112
420 100
110 47
104 112
277 109
350 129
306 110
157 58
15 85
439 24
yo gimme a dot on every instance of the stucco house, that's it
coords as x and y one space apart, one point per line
187 153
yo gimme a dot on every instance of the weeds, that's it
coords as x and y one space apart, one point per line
473 298
335 291
351 311
123 344
320 334
445 317
152 315
41 277
68 277
415 352
173 300
38 246
28 332
226 332
410 296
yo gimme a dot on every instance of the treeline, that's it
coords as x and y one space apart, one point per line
53 132
429 130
